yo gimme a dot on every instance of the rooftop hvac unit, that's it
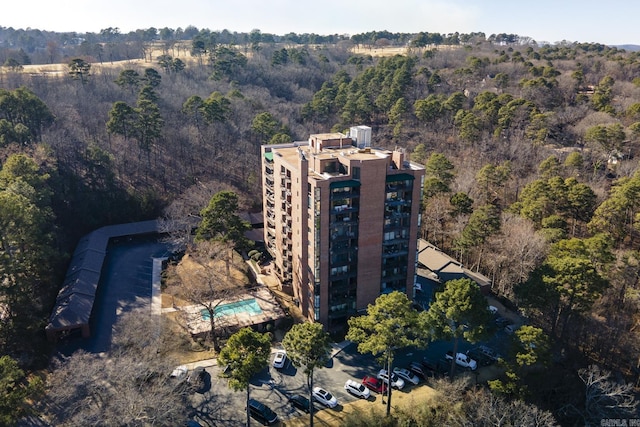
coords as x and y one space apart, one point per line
362 135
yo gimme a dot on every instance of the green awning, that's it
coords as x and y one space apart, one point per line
400 177
268 155
346 183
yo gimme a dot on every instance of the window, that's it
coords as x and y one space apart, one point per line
355 172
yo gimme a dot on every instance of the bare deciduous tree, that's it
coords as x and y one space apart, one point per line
515 253
128 386
183 214
606 397
484 408
209 275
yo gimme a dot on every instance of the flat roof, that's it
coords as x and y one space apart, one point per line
292 153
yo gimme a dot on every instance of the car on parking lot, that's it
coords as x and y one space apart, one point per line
488 352
417 369
396 382
357 389
324 397
463 360
501 322
300 402
179 373
406 375
196 378
510 329
493 309
374 384
178 376
262 412
280 359
480 358
435 367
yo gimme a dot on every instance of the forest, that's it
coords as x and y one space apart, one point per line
531 153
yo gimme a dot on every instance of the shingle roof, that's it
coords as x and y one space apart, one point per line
76 297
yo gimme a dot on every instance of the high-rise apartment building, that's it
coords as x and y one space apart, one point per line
341 222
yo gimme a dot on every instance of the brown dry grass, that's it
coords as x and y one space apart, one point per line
183 54
394 50
97 67
337 416
188 351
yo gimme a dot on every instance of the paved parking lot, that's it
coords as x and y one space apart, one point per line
221 406
125 284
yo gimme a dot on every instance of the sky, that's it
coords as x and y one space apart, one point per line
611 22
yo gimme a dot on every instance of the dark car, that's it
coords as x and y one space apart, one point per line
501 322
262 412
374 384
435 368
429 365
479 357
488 352
484 355
196 378
300 402
417 369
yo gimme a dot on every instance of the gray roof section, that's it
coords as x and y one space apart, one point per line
434 259
77 295
441 264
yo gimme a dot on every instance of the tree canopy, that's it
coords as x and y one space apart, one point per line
247 353
220 220
458 311
308 346
390 324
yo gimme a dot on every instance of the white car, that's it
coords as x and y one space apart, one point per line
492 309
179 373
463 360
395 381
280 359
357 389
406 375
323 396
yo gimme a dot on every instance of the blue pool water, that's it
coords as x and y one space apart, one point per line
245 306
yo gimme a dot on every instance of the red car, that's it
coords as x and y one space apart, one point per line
374 384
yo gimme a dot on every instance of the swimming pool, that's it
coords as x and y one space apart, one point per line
249 306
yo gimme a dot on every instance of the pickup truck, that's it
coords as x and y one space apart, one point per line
463 360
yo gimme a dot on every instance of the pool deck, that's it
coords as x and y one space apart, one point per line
270 311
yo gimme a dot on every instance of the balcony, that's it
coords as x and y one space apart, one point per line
336 313
343 209
345 195
390 253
